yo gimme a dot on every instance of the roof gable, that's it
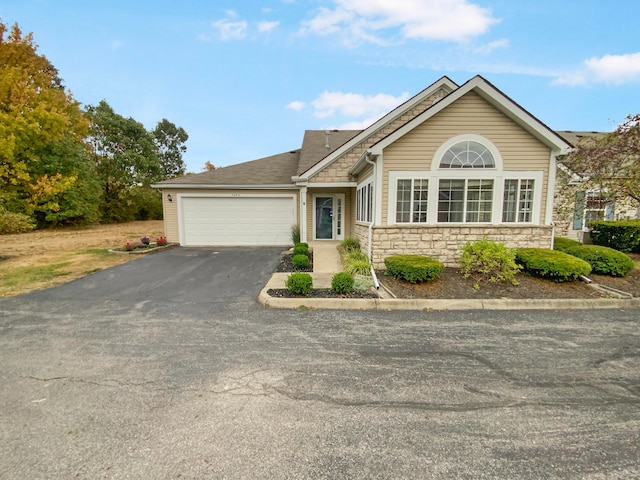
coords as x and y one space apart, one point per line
445 84
491 95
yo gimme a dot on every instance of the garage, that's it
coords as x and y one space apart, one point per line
236 219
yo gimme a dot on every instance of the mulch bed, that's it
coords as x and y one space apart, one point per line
318 293
286 264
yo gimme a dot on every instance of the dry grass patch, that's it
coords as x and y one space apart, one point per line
45 258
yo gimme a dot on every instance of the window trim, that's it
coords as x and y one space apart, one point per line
467 137
434 178
364 201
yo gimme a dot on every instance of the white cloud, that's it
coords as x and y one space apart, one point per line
296 105
267 26
229 30
491 46
329 104
367 20
609 69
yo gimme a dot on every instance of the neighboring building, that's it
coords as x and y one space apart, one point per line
576 206
450 165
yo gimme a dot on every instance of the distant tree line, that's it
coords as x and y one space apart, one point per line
61 164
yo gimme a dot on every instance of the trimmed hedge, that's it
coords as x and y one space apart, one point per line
342 283
301 249
622 235
562 244
551 264
300 261
603 260
299 283
413 268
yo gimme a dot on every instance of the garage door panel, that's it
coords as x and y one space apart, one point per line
237 220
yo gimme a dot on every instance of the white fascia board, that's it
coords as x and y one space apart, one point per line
444 82
495 98
332 185
223 187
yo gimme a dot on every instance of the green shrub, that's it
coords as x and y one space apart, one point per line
15 223
301 249
299 283
357 263
295 234
551 264
300 261
362 283
622 235
603 260
487 260
562 244
351 244
342 283
413 268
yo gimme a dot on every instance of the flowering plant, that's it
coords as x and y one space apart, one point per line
161 240
129 246
144 240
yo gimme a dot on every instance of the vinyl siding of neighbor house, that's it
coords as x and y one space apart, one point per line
171 225
469 115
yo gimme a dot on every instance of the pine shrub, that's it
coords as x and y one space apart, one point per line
413 268
551 264
603 260
342 283
486 260
299 283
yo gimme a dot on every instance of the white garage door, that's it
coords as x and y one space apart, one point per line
237 220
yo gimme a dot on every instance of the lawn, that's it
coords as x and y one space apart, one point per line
45 258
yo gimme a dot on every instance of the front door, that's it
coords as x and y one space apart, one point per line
324 218
329 217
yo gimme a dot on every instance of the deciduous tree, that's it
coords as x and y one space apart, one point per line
610 162
170 142
45 171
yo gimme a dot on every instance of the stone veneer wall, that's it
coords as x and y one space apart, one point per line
445 242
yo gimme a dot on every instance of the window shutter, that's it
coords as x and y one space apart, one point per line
578 212
609 211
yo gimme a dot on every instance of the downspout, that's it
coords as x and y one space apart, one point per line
373 216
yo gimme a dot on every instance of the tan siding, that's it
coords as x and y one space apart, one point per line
469 115
170 209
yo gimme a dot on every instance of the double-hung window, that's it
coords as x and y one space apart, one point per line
364 202
465 200
517 203
412 200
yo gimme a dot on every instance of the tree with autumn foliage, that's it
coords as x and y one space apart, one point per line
45 171
610 162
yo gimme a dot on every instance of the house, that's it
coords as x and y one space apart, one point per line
452 164
576 206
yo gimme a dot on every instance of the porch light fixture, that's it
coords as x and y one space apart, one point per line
170 198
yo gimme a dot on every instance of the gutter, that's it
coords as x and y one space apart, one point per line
192 186
373 211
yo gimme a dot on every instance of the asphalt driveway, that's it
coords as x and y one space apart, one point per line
167 367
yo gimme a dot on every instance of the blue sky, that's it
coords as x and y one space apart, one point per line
245 79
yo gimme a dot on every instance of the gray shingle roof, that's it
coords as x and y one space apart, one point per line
314 145
273 170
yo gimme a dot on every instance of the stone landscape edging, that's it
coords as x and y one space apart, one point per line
139 251
444 304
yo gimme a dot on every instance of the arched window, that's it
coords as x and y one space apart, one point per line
467 154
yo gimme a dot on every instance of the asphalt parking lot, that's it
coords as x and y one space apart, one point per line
167 367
